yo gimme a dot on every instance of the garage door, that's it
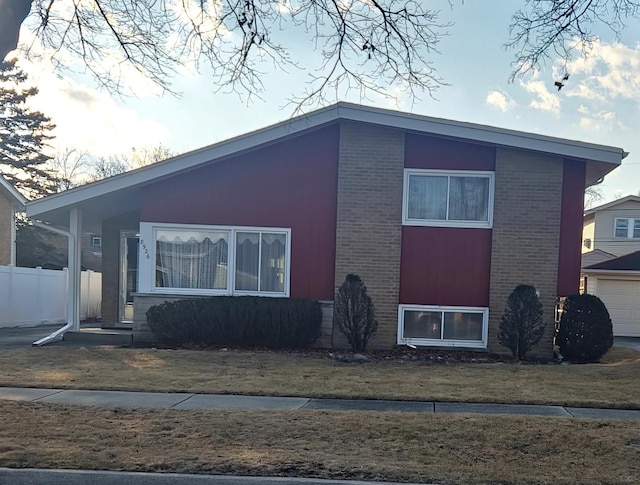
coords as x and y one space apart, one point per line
622 299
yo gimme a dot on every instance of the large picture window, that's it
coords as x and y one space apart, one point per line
442 326
214 259
440 198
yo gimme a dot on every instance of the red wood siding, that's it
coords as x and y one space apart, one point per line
292 184
437 153
573 180
445 266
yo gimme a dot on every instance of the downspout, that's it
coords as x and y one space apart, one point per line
70 301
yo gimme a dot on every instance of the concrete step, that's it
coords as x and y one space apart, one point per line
100 337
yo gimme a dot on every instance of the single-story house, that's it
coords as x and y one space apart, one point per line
441 219
11 201
616 281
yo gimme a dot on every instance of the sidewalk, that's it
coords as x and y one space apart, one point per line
179 400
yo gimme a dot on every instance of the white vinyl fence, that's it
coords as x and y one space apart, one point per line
31 296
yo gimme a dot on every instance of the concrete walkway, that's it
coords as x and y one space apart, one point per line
180 400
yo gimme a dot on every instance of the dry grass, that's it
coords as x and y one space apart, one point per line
612 383
351 445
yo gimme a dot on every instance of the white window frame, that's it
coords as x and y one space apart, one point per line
406 221
96 238
147 259
442 342
631 222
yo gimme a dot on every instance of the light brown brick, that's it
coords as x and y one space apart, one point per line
369 219
525 236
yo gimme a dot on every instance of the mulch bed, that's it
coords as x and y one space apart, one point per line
395 354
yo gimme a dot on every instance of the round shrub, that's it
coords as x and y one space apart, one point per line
585 332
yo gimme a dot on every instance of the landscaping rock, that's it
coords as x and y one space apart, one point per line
361 358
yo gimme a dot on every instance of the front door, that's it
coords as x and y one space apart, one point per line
129 241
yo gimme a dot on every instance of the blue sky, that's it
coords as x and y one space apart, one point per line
599 104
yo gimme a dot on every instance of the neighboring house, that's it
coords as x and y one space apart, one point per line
613 227
616 282
11 201
610 232
91 248
441 219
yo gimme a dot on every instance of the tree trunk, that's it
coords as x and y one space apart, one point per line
12 14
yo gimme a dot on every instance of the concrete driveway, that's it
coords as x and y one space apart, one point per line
628 342
20 337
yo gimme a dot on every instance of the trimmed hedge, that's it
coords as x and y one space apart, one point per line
251 321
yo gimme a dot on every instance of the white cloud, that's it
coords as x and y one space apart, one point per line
611 71
545 100
88 119
598 121
500 100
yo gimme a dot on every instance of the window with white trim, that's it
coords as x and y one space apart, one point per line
197 259
96 241
443 326
445 198
627 228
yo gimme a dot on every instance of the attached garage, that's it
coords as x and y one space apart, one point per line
617 283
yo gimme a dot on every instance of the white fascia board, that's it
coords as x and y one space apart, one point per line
316 119
183 162
483 133
620 273
608 205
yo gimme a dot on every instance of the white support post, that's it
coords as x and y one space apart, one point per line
75 267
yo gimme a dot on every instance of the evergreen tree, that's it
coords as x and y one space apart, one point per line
23 136
354 313
522 326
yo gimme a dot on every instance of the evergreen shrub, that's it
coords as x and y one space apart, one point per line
354 313
585 332
250 321
522 326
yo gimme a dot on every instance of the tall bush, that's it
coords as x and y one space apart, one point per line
237 321
354 313
522 326
585 332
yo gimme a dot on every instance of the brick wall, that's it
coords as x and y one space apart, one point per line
111 263
6 221
526 232
369 219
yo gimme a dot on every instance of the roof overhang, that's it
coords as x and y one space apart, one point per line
16 198
609 205
121 193
620 273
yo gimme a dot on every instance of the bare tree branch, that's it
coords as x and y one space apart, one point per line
369 45
546 28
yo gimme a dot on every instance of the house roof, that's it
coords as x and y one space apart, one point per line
12 194
595 257
116 194
610 205
628 262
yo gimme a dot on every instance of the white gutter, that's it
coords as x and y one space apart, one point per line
71 323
